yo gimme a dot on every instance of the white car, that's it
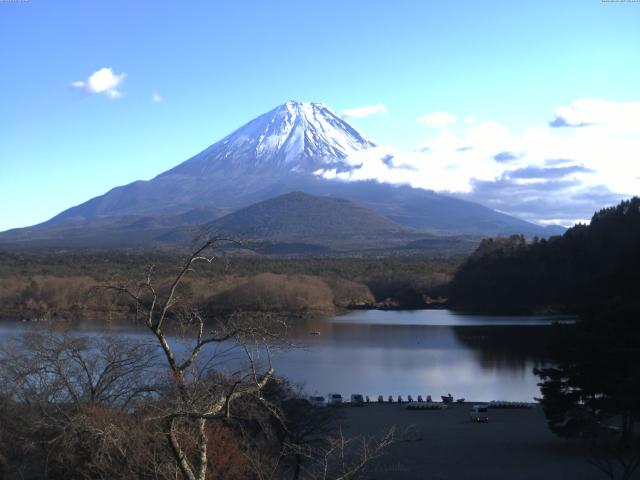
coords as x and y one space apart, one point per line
318 401
479 414
334 399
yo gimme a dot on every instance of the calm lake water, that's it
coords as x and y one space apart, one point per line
420 352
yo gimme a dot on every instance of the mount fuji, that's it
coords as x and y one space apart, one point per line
278 152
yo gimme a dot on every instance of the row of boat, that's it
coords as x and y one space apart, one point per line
419 403
503 404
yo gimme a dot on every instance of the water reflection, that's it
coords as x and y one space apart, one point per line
512 347
422 352
446 318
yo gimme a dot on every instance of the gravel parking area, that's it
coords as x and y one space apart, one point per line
515 444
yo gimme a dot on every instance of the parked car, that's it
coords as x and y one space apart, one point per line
318 401
357 400
479 414
334 399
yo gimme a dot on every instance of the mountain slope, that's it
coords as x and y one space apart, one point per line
274 154
107 232
299 216
299 223
294 137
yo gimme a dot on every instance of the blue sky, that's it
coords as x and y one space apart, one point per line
490 65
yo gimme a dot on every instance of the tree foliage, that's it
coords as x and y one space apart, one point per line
593 392
601 260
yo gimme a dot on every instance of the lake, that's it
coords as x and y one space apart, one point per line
421 352
416 352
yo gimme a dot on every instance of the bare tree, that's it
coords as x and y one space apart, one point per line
60 369
202 392
103 407
312 445
342 458
71 396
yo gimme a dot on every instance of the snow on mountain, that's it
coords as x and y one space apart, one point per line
290 148
300 137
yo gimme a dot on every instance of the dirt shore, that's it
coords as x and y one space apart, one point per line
515 444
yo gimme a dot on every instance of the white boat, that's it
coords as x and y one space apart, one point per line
317 401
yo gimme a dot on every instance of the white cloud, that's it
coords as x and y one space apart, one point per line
364 111
156 97
542 173
596 111
102 81
437 119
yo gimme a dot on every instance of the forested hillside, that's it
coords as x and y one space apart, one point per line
598 263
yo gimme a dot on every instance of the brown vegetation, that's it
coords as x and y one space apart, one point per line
271 292
44 297
97 407
56 286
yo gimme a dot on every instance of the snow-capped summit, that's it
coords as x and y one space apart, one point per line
296 136
277 153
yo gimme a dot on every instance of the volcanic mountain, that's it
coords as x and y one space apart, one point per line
277 153
299 223
271 155
301 216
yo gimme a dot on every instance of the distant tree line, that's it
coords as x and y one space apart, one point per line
55 286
